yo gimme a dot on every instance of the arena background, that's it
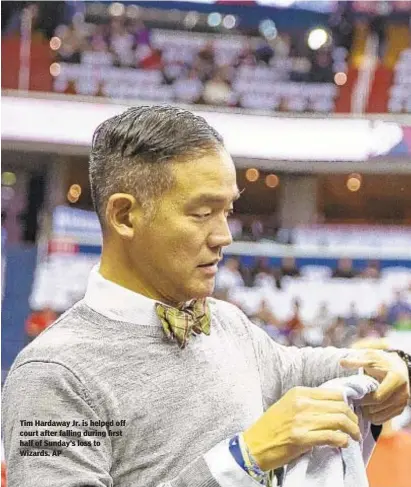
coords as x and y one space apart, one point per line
313 100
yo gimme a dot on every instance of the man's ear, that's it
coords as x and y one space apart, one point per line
122 213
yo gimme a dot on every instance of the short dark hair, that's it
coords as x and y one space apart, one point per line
129 152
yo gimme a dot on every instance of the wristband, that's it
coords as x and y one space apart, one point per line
243 457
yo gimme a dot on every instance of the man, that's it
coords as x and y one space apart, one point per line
176 399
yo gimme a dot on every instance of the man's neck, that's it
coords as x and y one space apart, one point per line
115 270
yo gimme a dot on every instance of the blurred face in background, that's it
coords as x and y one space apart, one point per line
174 255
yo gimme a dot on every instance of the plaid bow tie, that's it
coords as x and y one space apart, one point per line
181 323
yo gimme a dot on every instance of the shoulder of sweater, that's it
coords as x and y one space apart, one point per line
55 344
230 315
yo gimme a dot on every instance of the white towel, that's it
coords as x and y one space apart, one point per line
325 466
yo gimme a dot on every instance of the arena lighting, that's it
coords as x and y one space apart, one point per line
214 19
268 29
353 183
317 38
55 43
74 193
133 11
252 174
8 178
272 180
55 69
116 9
191 19
229 21
340 78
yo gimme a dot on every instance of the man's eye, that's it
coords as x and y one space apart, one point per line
202 215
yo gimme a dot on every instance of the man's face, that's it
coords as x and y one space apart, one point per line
188 231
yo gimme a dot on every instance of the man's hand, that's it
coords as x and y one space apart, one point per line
303 418
391 397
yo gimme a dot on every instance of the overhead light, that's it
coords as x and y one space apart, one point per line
272 180
317 38
268 29
55 43
116 9
191 19
340 78
55 69
229 21
8 178
252 174
354 182
74 193
214 19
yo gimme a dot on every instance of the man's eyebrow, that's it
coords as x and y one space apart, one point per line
212 198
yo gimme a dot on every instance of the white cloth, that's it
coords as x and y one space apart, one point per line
327 466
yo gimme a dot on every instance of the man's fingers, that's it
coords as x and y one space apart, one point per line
368 399
320 393
337 422
388 386
386 415
326 437
398 399
334 407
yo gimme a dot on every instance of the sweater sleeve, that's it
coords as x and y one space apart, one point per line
292 366
50 392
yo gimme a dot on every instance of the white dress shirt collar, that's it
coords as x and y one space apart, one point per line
119 303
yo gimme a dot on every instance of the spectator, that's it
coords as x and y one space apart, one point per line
236 227
352 317
398 308
338 335
189 89
217 91
315 331
38 321
71 44
378 27
205 62
121 42
153 59
380 320
403 321
294 326
264 53
289 267
372 270
266 318
229 275
140 32
321 67
344 269
257 229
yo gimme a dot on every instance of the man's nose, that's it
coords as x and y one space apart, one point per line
221 235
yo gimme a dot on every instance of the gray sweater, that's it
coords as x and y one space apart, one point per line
180 407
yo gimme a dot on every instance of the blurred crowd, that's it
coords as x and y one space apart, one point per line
226 70
242 285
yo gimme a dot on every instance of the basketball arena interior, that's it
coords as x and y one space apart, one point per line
313 100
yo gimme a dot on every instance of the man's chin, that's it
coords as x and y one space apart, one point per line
204 290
